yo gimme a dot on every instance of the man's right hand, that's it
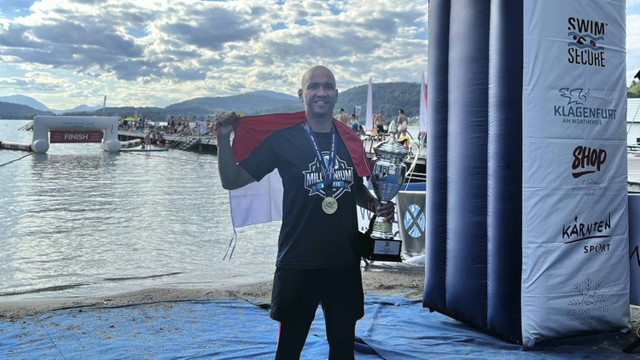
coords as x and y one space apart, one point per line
226 122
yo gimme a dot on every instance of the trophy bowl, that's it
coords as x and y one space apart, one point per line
387 177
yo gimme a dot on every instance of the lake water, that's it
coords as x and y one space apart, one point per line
78 221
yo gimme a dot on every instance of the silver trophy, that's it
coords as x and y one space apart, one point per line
387 177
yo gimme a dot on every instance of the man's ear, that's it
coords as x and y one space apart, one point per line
337 94
300 95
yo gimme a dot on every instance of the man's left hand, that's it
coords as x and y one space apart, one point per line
386 211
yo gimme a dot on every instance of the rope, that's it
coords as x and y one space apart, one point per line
232 245
14 160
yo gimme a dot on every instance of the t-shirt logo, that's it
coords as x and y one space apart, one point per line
342 177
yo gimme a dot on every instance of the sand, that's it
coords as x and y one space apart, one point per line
399 279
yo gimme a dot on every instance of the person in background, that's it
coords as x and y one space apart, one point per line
354 124
403 124
318 261
343 117
379 121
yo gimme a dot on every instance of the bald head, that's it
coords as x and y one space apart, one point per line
317 71
318 93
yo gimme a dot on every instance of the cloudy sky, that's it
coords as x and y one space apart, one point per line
157 52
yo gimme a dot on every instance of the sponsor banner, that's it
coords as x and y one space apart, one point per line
75 136
574 202
572 222
574 68
586 166
634 247
411 220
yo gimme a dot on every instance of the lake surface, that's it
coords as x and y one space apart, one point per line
78 221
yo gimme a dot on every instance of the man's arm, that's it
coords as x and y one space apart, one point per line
232 175
365 199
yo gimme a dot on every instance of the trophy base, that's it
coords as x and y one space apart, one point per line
380 249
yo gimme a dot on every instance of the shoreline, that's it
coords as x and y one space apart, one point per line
396 279
406 280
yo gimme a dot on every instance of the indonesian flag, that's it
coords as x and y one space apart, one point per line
261 201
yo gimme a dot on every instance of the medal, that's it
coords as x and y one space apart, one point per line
329 205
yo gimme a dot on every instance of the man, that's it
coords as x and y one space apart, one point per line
379 120
318 261
343 118
403 123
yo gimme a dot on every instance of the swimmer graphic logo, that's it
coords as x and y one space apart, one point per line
584 46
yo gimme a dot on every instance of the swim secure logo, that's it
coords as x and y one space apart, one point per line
583 48
342 177
576 111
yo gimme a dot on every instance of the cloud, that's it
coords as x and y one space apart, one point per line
211 48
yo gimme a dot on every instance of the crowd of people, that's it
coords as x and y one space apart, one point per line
173 125
205 126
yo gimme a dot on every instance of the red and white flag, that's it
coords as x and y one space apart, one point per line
261 201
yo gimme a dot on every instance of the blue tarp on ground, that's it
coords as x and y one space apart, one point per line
393 328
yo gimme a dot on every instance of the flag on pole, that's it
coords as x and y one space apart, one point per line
422 128
369 118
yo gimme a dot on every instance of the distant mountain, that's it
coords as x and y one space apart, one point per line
273 94
19 111
25 100
389 97
255 103
79 108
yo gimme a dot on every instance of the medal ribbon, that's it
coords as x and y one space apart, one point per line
326 169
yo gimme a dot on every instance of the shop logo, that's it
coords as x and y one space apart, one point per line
588 306
580 231
342 177
576 110
584 38
587 160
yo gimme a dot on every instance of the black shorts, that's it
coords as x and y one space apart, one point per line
297 292
380 129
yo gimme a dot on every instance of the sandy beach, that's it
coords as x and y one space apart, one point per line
400 279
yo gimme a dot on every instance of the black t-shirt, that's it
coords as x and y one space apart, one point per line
309 238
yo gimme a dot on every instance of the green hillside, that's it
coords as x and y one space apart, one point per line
17 111
633 91
389 97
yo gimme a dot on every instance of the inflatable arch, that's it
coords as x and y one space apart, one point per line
527 224
42 125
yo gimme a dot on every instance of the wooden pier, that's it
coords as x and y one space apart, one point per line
209 144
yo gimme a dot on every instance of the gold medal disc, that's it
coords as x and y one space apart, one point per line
329 205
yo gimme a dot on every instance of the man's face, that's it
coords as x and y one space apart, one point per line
319 92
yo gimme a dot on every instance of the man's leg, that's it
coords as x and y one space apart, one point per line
294 301
291 339
342 304
341 336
